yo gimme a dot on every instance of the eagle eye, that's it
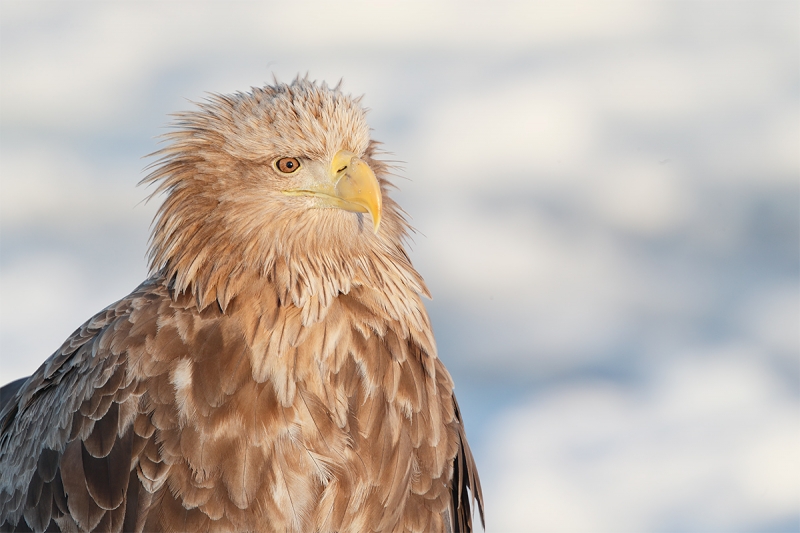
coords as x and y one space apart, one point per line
287 165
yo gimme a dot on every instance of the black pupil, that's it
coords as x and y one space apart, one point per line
289 164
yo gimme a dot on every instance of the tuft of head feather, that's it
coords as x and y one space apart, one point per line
224 222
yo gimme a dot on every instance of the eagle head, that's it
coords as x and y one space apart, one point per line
280 182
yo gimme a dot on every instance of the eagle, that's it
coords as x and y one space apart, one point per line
277 370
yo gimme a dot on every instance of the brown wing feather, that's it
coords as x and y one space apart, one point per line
465 476
65 437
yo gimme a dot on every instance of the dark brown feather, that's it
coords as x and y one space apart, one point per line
82 507
34 491
107 476
38 515
132 510
59 496
104 434
47 465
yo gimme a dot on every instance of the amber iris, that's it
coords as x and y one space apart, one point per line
287 165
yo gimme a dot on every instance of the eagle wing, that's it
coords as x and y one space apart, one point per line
68 445
465 477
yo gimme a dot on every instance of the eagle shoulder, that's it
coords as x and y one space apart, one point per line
67 429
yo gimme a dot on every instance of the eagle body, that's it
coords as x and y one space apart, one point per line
277 371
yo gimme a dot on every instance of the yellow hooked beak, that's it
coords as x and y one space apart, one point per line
350 185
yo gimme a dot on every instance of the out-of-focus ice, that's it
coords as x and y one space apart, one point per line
708 444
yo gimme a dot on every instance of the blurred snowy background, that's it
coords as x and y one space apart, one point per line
607 203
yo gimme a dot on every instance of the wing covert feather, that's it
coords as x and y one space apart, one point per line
65 433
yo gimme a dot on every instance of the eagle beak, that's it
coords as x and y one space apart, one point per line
349 184
356 186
